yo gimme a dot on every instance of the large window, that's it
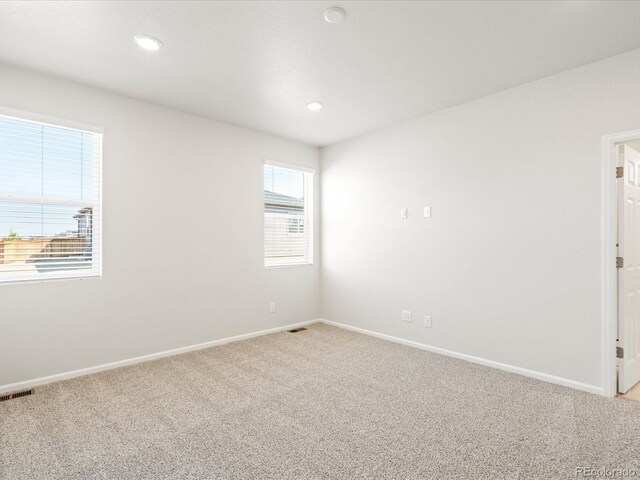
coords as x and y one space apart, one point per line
288 222
50 201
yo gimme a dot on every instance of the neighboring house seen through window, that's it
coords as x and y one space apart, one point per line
296 226
50 201
288 232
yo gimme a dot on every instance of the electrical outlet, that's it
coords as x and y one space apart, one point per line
427 321
404 213
427 212
272 307
406 315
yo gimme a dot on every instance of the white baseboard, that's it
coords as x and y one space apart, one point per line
481 361
26 384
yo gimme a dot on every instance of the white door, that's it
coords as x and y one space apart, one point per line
629 273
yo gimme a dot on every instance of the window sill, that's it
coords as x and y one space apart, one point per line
22 281
286 265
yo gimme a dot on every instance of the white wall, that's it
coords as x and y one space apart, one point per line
170 180
509 265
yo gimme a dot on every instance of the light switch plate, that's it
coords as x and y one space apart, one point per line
427 212
404 213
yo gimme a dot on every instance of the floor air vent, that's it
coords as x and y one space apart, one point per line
296 330
10 396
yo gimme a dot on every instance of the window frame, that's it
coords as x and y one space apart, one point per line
95 204
309 179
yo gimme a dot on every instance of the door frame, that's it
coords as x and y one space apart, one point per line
609 270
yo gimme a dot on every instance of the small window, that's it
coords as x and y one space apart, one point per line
50 201
288 232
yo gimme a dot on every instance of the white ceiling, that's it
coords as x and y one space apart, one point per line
258 64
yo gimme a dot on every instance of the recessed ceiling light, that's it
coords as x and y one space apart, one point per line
148 42
314 106
334 14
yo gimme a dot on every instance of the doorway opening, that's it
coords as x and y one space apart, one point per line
621 266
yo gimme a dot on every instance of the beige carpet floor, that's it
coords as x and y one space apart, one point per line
320 404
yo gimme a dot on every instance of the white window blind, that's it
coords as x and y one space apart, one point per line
50 201
288 222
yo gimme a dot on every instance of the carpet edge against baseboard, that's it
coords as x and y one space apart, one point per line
545 377
26 384
57 377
